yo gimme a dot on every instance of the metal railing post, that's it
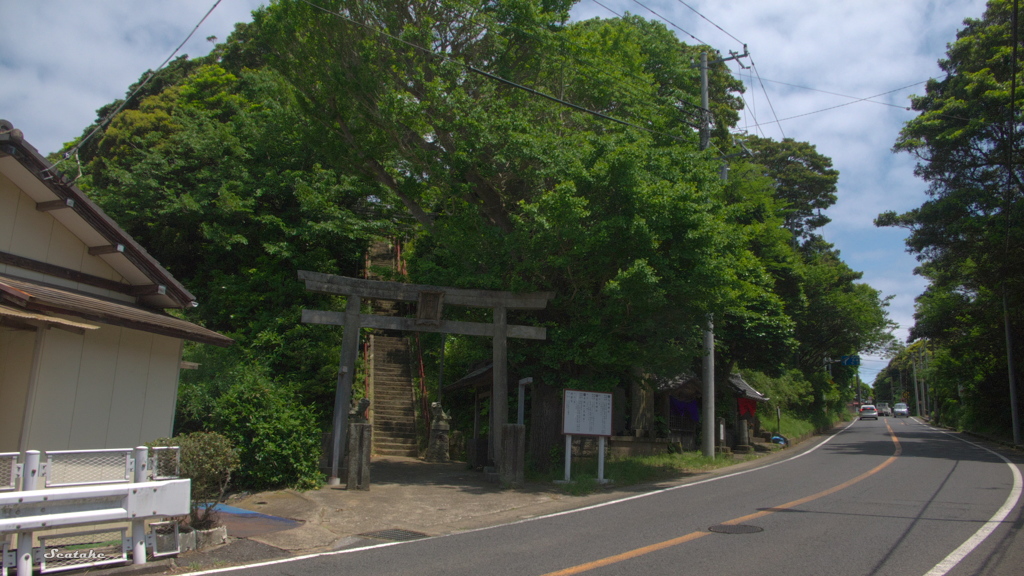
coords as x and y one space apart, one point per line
139 525
29 481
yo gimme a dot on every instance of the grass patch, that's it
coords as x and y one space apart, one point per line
636 470
793 427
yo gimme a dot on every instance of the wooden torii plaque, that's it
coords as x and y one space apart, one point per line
430 304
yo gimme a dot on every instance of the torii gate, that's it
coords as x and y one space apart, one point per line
430 302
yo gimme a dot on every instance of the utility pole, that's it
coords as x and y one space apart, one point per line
708 372
916 384
1011 372
708 392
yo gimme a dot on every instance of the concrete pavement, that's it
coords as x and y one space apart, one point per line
408 498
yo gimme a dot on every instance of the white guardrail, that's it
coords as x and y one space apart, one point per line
88 488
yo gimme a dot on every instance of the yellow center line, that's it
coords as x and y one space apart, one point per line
701 533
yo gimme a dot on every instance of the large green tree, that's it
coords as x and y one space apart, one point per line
968 232
515 191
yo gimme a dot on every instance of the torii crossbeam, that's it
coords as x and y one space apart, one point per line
431 301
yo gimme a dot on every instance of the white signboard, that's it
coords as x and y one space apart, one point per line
587 413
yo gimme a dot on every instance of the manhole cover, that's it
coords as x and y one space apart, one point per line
735 529
395 535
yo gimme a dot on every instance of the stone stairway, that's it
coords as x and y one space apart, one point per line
393 401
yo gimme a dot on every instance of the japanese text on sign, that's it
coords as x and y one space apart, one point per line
587 413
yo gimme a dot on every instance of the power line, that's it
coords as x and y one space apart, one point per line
847 96
74 149
671 23
769 100
867 98
712 23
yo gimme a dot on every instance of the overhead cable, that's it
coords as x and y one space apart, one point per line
99 125
712 23
865 99
769 100
672 23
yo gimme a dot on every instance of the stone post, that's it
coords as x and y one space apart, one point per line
360 436
511 470
438 449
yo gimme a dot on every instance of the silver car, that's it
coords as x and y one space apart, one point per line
868 411
901 409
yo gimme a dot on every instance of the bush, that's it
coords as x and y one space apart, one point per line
278 439
207 459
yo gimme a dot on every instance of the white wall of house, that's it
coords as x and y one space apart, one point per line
111 387
16 347
107 388
27 232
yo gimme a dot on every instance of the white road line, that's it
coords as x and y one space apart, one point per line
574 511
954 558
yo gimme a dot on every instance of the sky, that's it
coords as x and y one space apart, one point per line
835 74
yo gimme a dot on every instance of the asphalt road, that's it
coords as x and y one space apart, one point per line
885 497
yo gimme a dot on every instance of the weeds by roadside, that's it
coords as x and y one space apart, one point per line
637 470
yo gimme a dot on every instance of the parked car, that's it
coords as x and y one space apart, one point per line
883 409
901 409
868 411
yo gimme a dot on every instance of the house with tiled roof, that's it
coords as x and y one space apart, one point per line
89 356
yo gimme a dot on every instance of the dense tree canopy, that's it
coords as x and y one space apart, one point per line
510 149
968 234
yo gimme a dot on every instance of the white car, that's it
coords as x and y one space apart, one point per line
868 411
883 409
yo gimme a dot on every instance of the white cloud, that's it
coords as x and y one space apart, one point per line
62 60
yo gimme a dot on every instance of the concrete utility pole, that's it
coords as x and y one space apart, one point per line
708 376
1011 171
916 384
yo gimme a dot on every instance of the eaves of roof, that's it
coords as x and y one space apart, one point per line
37 297
24 165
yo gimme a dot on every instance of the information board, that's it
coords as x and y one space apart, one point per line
587 413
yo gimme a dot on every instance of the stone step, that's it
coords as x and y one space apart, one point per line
394 413
396 391
394 428
398 442
394 378
386 415
409 453
408 447
394 417
402 392
403 395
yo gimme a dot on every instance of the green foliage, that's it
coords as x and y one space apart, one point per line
968 233
802 178
307 135
216 177
791 391
277 437
278 440
207 459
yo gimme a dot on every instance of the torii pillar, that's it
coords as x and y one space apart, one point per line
430 302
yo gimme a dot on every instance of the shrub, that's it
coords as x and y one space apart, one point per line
278 439
207 459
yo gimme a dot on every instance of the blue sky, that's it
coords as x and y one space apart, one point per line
60 60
